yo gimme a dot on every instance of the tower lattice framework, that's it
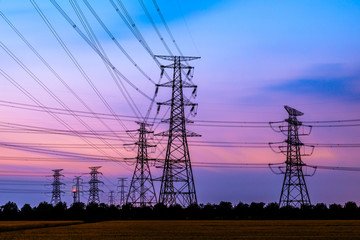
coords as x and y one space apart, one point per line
141 190
77 188
56 185
94 183
294 191
121 188
177 182
111 198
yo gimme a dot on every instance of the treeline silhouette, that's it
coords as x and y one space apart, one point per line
224 210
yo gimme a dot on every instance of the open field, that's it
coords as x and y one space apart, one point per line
21 225
247 229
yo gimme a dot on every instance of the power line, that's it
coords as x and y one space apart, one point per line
54 96
29 95
337 168
72 155
339 125
333 121
98 45
53 72
88 41
101 116
116 42
167 27
188 28
111 117
193 142
155 27
73 59
21 191
133 28
44 159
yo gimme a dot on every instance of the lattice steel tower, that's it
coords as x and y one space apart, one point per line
56 184
111 198
77 188
121 189
142 191
294 191
177 182
94 185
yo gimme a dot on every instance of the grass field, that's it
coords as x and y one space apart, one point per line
6 226
250 229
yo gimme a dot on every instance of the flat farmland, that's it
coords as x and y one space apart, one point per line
243 229
6 226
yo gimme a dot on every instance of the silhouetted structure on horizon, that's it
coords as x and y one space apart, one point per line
141 190
77 189
56 187
177 182
94 185
294 191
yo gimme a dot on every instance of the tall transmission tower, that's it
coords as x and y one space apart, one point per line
94 185
77 188
121 188
177 182
294 191
56 184
111 198
142 191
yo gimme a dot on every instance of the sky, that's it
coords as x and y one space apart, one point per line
256 57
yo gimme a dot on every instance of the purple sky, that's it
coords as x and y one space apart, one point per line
256 57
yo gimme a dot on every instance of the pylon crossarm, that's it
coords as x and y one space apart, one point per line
275 147
293 121
273 127
185 84
279 172
283 150
307 154
313 173
284 130
187 102
181 58
192 134
182 66
303 133
167 84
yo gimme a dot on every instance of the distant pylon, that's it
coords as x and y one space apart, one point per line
94 185
177 182
141 190
111 198
77 188
56 184
121 188
294 191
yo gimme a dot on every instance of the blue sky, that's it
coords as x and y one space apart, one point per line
256 56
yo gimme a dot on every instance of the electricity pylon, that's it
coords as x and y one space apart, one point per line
121 189
142 191
111 198
77 188
294 191
177 182
56 184
94 185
